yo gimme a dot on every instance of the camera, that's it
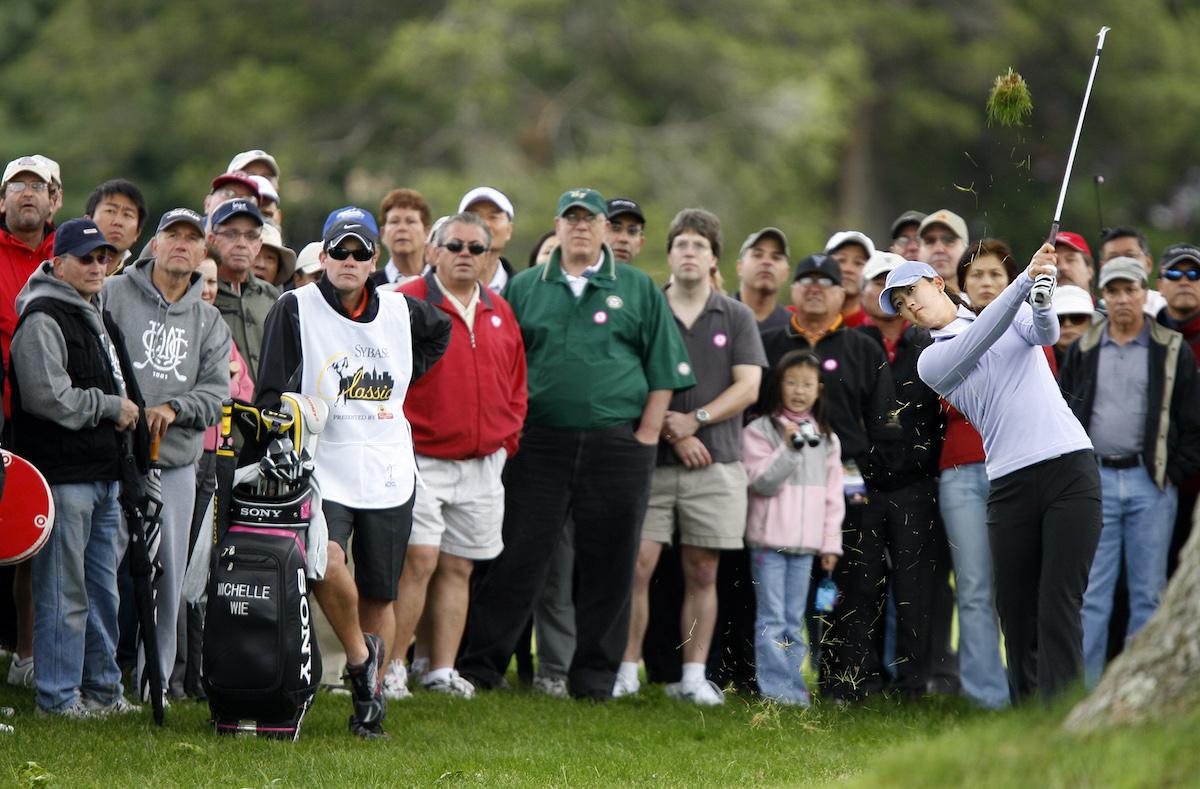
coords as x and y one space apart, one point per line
805 434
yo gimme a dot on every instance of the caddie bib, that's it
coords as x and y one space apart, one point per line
361 370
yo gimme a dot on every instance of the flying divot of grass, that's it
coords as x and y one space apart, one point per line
1010 102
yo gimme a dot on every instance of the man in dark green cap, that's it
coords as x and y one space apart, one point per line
604 357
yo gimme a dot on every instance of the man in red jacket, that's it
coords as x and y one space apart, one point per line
466 415
30 193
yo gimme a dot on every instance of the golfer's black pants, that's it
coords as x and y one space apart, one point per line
1043 525
602 477
895 536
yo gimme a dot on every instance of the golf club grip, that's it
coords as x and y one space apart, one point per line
1053 232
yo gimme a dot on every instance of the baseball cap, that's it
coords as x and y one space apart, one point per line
584 198
488 194
29 164
754 238
78 237
309 259
244 158
624 205
1072 300
949 219
881 263
237 177
265 190
184 215
906 219
1180 253
844 237
350 221
902 276
1122 268
272 238
821 265
238 206
55 170
1074 241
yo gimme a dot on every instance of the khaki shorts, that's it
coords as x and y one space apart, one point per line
460 506
709 504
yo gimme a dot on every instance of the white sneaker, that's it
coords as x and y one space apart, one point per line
453 685
418 669
119 706
705 693
555 687
75 710
20 672
624 687
395 682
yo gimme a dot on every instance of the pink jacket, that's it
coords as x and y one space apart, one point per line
240 388
796 498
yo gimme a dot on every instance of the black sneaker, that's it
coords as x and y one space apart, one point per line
366 688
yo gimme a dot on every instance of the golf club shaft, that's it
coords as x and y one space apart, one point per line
1062 194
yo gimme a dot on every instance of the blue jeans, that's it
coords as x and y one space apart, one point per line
1138 522
781 590
75 598
962 498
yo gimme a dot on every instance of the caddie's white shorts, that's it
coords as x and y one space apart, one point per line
460 508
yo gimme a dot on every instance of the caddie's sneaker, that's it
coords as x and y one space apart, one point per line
119 706
366 685
551 686
418 668
395 681
705 693
20 672
453 684
625 687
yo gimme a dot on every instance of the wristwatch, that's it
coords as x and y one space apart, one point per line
702 416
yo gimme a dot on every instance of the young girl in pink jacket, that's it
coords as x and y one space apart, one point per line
794 465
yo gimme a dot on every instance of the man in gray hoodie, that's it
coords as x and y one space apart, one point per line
179 346
74 399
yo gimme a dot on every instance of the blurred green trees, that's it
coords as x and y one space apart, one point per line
812 116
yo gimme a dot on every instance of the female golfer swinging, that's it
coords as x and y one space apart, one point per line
1044 506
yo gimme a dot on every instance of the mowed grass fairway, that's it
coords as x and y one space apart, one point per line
516 738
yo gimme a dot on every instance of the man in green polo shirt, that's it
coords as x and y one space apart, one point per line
604 357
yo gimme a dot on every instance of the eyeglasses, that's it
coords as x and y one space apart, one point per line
341 253
248 236
574 219
629 230
946 239
1176 274
99 256
16 187
456 246
1073 320
824 282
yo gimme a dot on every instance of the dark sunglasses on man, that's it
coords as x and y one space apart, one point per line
341 253
1176 274
474 248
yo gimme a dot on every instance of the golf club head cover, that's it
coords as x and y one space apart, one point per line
309 415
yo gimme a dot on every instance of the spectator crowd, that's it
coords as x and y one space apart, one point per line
648 481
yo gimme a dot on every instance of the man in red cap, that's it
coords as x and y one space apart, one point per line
1075 262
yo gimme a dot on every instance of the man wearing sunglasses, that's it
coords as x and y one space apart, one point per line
604 356
860 397
235 238
74 396
358 350
460 508
1132 383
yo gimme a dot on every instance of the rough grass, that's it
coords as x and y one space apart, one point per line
516 738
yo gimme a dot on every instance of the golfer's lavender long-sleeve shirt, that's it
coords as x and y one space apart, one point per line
991 368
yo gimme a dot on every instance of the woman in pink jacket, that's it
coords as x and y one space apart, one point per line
794 465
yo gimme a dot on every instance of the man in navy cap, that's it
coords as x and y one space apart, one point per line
74 397
235 238
358 350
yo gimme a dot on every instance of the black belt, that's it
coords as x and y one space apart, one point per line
1122 461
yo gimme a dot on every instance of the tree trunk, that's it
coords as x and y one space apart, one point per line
1158 674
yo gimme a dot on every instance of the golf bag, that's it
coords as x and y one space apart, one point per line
261 662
